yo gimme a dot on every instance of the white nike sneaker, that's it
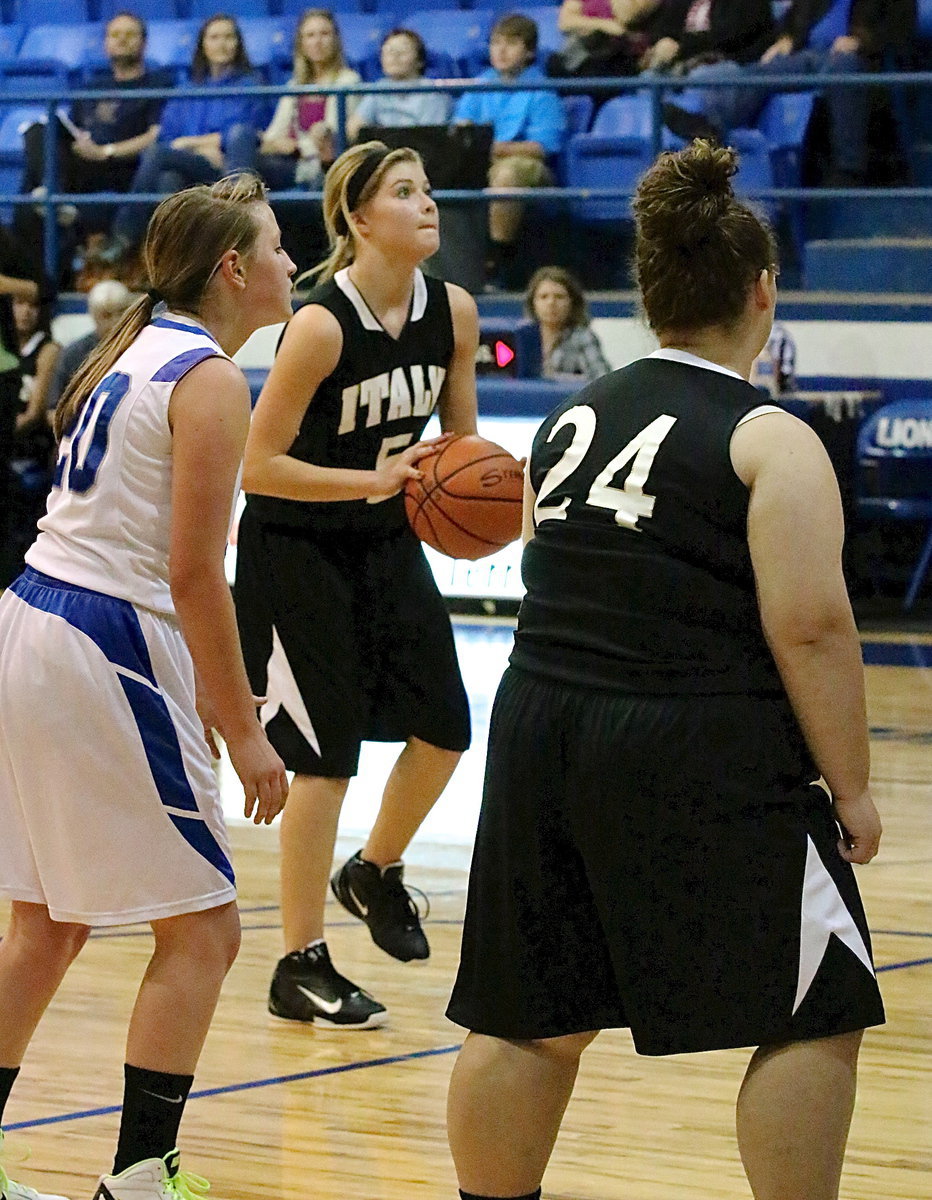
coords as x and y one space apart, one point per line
11 1190
151 1180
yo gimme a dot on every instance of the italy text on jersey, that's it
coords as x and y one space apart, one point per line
407 397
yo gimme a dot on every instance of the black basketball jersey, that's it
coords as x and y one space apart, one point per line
374 404
639 575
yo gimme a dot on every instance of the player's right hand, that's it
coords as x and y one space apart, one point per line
262 774
861 828
397 469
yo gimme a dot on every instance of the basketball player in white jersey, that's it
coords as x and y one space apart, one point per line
119 654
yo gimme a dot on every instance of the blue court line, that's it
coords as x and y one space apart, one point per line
250 1085
319 1073
913 962
897 654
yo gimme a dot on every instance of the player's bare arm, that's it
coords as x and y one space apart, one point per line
795 535
457 402
209 419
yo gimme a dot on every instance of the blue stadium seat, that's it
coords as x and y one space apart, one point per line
755 168
68 45
614 154
294 8
149 10
171 43
464 35
267 39
894 468
200 10
11 37
361 34
13 124
32 76
833 25
549 37
924 19
578 112
42 12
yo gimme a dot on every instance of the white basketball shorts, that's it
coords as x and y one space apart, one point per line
109 807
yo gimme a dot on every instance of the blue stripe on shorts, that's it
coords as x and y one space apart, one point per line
113 626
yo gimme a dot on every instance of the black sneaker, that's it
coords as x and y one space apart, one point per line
307 987
379 897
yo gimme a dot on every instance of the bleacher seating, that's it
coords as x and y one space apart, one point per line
13 121
65 45
171 43
11 37
463 35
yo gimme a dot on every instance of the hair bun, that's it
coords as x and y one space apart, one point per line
686 193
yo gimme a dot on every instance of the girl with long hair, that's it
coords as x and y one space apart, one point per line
118 657
200 137
338 609
297 147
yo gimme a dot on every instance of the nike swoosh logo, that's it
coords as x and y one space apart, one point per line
363 908
329 1006
167 1099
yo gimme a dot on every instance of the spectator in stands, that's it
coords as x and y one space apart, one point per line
601 37
529 127
691 33
199 139
298 145
111 134
873 27
106 303
569 346
37 352
404 59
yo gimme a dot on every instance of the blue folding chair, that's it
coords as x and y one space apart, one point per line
894 474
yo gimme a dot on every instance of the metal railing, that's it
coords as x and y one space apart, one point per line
902 82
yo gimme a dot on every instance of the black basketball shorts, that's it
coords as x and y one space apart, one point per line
348 637
660 863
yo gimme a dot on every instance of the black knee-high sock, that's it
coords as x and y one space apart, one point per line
529 1196
153 1102
7 1079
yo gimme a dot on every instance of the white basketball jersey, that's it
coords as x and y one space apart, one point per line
108 520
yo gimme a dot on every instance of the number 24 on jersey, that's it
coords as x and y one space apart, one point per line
629 502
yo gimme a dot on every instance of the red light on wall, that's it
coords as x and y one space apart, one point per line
503 353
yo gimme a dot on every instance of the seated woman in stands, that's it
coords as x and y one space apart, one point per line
298 145
403 56
569 346
200 139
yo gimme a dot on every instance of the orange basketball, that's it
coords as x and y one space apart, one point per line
468 504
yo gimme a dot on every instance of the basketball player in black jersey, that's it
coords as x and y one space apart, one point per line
341 619
653 850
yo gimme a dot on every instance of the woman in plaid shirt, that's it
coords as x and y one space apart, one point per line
569 347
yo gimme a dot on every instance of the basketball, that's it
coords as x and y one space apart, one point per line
468 504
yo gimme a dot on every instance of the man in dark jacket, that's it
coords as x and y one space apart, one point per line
100 149
874 29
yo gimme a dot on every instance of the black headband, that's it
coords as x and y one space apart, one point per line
154 295
357 185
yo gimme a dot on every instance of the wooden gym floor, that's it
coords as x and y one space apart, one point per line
303 1114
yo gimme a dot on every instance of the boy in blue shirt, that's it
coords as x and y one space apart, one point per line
529 126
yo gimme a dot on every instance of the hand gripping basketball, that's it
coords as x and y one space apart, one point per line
467 502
